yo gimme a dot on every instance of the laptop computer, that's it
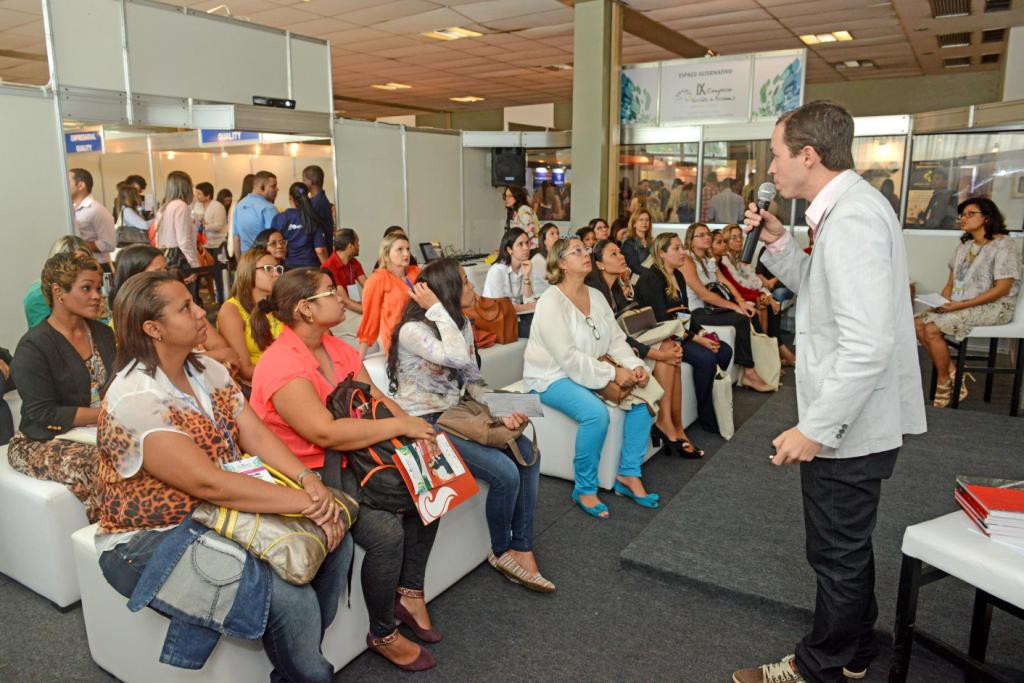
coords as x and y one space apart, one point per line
431 251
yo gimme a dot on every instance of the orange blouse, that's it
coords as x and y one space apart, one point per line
384 300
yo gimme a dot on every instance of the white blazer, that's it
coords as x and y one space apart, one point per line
857 374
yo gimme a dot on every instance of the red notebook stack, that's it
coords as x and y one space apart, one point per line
996 506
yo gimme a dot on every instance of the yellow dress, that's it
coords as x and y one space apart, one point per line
250 343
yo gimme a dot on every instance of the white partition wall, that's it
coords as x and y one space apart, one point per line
35 198
371 181
484 210
434 192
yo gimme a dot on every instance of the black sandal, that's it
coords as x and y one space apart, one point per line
689 451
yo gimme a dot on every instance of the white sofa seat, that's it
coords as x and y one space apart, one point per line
37 519
127 644
556 436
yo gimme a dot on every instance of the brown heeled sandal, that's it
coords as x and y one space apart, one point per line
943 393
427 635
424 660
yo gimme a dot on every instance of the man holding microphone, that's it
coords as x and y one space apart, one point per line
858 379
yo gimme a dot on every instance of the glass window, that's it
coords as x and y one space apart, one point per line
661 178
948 168
732 173
549 182
879 160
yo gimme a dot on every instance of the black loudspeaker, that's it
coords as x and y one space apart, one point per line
508 166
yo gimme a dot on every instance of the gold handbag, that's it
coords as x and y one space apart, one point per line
293 545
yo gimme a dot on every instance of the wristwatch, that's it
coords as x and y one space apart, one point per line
303 473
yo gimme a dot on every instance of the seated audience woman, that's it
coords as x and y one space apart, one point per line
386 293
274 242
637 245
303 229
36 307
982 289
170 424
510 277
142 258
292 382
431 364
539 261
247 334
588 236
520 214
563 364
61 368
619 229
601 229
726 248
663 289
709 305
606 277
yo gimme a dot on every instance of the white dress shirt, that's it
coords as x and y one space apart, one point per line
94 223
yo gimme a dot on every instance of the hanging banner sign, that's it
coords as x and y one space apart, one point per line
219 137
737 88
82 141
706 90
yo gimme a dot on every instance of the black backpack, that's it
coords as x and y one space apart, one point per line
380 484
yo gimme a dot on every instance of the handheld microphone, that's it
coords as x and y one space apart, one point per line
765 195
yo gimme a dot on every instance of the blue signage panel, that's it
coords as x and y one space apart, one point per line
81 141
213 137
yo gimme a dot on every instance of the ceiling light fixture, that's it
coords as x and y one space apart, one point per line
451 33
833 37
390 86
467 98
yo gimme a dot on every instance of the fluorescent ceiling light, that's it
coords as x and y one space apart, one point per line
852 63
451 33
467 98
833 37
391 86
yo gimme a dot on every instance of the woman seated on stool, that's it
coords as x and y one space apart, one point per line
983 285
142 258
290 388
701 275
247 334
609 265
663 289
36 308
274 242
562 364
510 277
727 247
386 292
549 234
431 363
62 367
169 424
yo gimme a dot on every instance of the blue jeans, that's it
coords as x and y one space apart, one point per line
782 294
299 615
513 492
583 406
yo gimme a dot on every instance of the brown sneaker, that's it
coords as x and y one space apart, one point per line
777 672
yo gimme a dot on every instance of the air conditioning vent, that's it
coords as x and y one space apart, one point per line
993 35
950 8
992 58
997 5
954 39
956 62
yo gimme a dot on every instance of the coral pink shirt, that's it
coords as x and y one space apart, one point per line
288 358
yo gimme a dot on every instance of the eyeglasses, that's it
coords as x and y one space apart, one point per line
968 214
333 291
279 269
701 235
276 243
578 251
593 327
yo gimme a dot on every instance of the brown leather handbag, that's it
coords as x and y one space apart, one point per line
612 392
497 316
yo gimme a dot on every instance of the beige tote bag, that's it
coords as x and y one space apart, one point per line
721 399
766 358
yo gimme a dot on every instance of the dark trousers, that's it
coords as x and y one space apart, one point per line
397 548
774 323
705 363
723 318
524 323
840 508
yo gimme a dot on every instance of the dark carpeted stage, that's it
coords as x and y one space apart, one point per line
737 526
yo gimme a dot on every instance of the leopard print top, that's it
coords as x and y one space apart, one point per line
137 405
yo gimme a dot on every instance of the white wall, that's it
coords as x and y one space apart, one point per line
33 190
542 115
434 190
484 210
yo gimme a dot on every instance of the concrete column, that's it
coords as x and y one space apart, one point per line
1013 63
595 107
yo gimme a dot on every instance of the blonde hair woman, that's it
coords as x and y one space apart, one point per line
386 293
639 235
175 225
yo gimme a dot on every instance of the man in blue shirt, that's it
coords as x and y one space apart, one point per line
313 177
255 211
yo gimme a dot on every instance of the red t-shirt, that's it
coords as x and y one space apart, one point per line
344 275
288 358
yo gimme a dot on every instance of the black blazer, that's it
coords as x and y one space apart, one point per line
650 291
52 378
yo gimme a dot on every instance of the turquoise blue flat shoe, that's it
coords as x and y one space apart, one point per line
595 511
651 500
